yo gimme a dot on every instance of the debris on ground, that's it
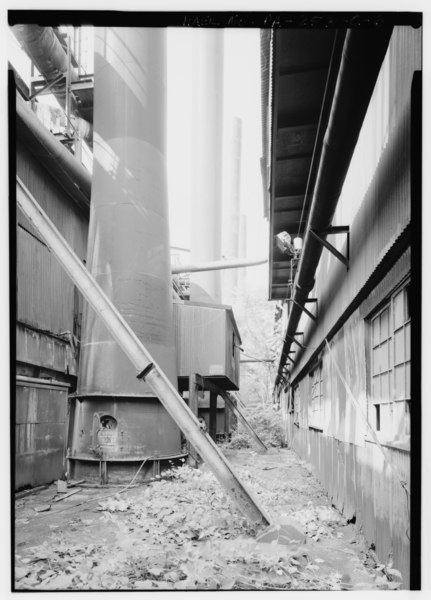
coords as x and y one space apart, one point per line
181 532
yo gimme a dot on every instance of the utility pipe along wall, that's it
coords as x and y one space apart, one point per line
360 66
128 251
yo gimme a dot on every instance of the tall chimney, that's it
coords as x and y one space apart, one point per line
117 420
207 175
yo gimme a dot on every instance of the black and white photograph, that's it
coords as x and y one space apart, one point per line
215 290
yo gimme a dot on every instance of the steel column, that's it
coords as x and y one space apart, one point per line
207 176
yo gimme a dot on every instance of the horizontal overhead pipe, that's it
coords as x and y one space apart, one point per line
45 50
363 54
146 367
72 175
218 265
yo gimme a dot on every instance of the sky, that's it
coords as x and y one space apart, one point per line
241 99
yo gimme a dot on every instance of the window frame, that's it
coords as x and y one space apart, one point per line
386 434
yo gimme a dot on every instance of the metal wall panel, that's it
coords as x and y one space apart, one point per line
61 209
45 292
359 483
48 302
45 295
40 427
348 464
43 350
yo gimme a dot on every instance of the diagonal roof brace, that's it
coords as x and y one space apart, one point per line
318 235
295 341
302 307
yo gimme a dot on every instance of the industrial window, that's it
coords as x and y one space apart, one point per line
315 411
389 407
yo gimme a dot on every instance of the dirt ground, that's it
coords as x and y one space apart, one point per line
180 532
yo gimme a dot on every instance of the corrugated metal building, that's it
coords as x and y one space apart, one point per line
347 360
48 319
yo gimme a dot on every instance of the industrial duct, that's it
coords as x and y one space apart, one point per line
117 417
359 69
45 50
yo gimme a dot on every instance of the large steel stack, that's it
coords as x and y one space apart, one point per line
117 421
207 176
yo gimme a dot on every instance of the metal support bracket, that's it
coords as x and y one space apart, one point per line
331 231
295 341
286 355
307 312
